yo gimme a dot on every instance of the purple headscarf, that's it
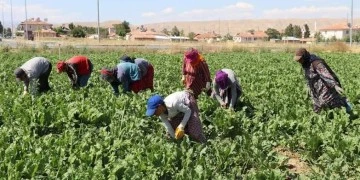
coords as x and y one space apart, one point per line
191 55
221 79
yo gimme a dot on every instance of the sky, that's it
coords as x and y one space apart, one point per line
139 12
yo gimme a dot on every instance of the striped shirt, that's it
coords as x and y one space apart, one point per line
196 78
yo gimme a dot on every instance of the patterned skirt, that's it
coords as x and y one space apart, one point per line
193 127
146 82
195 84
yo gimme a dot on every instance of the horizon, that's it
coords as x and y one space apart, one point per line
160 11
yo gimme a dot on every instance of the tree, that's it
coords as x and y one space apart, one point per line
1 28
297 31
71 26
78 32
307 31
228 37
122 29
251 31
191 35
8 32
165 31
273 33
318 37
182 33
289 30
175 31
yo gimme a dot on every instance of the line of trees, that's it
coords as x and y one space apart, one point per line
7 31
79 31
290 30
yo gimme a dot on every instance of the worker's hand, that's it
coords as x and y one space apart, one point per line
25 93
183 80
339 90
179 132
208 86
223 105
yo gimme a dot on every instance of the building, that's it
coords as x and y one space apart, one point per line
36 28
208 37
141 35
251 37
338 31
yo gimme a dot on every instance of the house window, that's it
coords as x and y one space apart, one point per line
347 32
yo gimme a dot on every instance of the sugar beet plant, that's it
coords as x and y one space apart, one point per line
90 133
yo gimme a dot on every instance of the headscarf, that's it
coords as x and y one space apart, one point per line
126 58
106 74
221 79
18 72
61 66
193 57
303 54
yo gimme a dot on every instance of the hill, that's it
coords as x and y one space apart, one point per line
231 26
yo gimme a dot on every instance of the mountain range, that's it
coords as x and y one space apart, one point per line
230 26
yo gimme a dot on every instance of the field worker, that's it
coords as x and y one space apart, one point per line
126 58
146 71
35 69
179 113
196 75
124 73
78 68
226 88
324 86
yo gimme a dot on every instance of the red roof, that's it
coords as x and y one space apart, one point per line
256 34
342 26
36 21
208 35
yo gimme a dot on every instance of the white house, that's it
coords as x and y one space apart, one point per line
339 31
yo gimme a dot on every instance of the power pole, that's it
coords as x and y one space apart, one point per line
98 28
3 24
12 23
351 21
26 28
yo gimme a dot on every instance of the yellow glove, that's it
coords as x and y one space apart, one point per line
179 132
183 80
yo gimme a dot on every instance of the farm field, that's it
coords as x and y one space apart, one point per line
91 134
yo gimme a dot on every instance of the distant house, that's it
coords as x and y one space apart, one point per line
36 27
208 37
290 39
146 36
251 37
339 31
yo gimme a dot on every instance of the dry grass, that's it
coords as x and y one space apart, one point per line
180 47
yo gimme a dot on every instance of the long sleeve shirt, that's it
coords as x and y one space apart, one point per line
33 69
176 103
127 73
321 81
234 84
81 64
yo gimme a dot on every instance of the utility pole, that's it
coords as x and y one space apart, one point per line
98 28
26 28
12 23
351 21
3 24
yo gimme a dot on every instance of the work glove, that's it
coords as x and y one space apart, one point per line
179 132
25 93
339 90
208 86
183 80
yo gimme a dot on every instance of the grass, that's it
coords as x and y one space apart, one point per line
178 47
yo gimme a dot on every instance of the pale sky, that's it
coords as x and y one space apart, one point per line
139 12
